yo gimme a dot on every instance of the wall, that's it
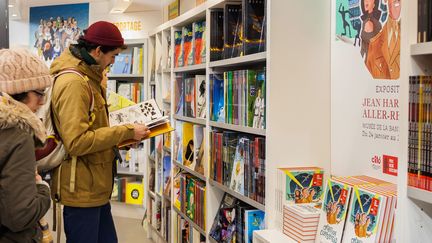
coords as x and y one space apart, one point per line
99 10
298 111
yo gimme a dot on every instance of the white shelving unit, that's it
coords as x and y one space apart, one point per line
419 194
419 49
166 73
120 208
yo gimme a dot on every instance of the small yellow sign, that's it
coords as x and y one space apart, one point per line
129 25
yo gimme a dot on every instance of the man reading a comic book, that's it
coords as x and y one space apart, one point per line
81 118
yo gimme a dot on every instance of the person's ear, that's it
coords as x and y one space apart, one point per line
98 51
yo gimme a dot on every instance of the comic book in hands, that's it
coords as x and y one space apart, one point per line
147 113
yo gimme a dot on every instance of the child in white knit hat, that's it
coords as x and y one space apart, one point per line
24 196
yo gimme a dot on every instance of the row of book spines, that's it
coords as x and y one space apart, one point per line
420 180
223 149
190 96
183 232
424 18
192 199
420 147
233 98
155 212
235 32
166 227
420 99
131 91
189 45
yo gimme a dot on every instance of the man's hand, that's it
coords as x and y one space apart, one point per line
141 131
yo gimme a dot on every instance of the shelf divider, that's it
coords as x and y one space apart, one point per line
251 130
200 121
237 195
419 194
190 171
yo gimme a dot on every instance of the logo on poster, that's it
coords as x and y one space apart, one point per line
376 162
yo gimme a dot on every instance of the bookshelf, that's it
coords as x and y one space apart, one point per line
424 48
132 85
166 75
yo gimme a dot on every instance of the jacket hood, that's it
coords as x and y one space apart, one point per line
71 58
16 114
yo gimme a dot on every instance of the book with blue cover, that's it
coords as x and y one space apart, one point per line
122 63
218 98
254 220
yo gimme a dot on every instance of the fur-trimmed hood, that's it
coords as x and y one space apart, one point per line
17 114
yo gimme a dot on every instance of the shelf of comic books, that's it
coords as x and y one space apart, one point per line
235 221
201 230
260 57
237 195
187 169
419 194
199 121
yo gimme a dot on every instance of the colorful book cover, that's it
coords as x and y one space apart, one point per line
189 94
122 63
199 41
256 98
134 193
117 102
237 174
198 133
216 34
303 186
254 25
200 96
218 106
251 95
179 95
224 226
233 44
178 142
254 220
188 144
166 173
188 52
190 198
177 191
363 216
178 49
259 104
334 211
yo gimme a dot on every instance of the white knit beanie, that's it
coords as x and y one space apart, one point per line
21 71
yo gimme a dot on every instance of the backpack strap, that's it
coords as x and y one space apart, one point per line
91 120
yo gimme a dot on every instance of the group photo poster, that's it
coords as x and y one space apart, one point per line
53 28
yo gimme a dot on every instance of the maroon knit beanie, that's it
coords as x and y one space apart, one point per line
104 33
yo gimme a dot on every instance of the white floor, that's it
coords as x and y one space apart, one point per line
127 219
